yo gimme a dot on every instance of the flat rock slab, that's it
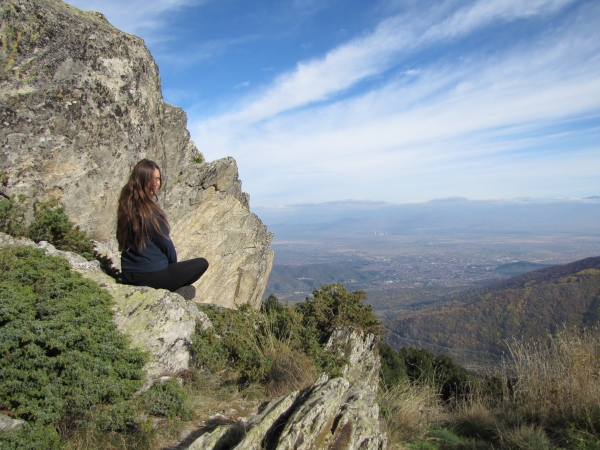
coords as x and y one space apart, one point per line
8 423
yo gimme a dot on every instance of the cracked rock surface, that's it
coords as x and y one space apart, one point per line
339 413
80 105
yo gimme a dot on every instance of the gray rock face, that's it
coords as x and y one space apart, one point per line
340 413
8 423
157 321
80 105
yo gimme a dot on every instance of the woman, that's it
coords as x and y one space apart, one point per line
148 256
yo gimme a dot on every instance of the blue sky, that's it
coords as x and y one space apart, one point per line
391 100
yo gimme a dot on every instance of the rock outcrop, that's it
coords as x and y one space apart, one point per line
80 105
157 321
8 423
339 413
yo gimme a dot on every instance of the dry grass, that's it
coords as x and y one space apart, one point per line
475 417
557 382
525 437
91 438
408 410
554 386
291 369
212 396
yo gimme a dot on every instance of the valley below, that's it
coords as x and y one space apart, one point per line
402 274
456 277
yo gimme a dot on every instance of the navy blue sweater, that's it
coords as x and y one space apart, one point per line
157 254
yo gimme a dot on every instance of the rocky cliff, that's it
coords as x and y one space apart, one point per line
80 104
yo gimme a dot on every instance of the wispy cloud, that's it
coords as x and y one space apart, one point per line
201 52
135 16
432 126
365 57
444 97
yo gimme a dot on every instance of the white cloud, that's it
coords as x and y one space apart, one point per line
365 57
482 13
427 129
134 16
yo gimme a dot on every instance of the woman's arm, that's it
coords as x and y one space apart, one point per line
165 244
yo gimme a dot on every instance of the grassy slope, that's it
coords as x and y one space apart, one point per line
473 327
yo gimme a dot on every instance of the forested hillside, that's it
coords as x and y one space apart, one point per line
472 327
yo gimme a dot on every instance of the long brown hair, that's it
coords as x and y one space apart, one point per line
139 215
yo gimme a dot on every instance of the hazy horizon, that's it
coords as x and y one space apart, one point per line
562 214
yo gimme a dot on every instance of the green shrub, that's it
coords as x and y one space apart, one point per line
166 399
526 437
441 371
393 368
33 436
332 306
12 217
197 159
121 418
231 341
62 353
50 223
274 346
444 436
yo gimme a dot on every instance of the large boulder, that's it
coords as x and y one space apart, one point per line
80 105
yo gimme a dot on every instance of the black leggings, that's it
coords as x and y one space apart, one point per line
176 275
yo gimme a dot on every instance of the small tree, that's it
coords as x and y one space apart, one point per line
332 306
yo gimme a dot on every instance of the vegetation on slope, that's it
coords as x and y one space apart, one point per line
281 347
475 325
50 223
73 378
423 367
62 356
65 369
68 372
547 396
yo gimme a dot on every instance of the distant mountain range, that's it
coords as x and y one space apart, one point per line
442 216
473 326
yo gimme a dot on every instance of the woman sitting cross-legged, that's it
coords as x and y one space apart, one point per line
148 256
